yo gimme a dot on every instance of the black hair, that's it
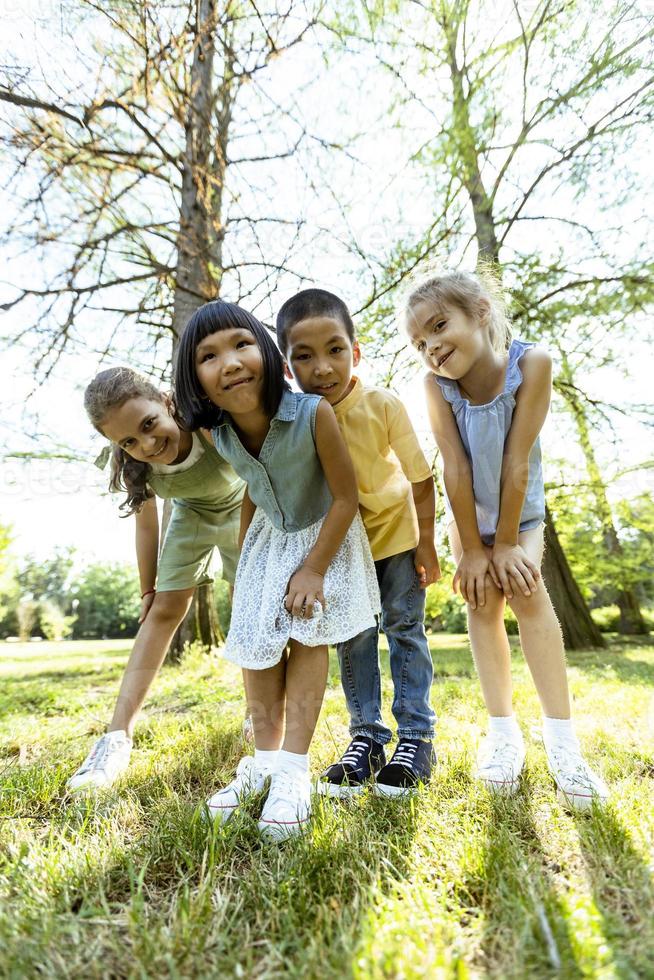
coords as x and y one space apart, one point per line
311 303
196 409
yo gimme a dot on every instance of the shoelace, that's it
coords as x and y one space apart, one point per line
502 755
573 766
285 786
97 756
244 778
404 754
354 754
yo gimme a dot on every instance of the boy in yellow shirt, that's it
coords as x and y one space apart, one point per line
315 333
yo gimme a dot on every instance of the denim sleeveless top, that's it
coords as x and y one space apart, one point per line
209 485
287 480
483 430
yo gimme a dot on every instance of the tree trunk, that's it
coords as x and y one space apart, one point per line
631 618
579 629
195 281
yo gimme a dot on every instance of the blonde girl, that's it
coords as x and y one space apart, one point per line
488 397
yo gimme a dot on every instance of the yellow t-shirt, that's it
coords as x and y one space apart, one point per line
387 459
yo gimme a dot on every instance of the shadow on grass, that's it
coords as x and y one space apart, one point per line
68 675
524 922
195 893
617 660
623 891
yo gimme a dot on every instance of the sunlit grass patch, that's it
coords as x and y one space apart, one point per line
452 883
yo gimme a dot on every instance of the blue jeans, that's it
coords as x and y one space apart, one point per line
402 620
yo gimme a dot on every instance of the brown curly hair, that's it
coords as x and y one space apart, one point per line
111 389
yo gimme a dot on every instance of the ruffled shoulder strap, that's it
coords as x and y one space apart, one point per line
513 373
450 390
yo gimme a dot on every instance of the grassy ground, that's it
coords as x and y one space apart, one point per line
452 884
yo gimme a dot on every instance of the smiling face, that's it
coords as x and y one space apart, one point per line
145 429
321 357
448 340
230 370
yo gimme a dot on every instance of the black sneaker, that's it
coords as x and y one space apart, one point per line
347 777
411 764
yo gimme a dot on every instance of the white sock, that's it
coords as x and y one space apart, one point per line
266 759
507 726
293 761
558 730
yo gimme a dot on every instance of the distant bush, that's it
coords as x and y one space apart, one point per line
107 603
608 618
54 623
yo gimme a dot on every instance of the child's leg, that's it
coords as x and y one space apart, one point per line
489 643
110 755
403 614
540 636
358 659
288 807
150 647
264 690
306 679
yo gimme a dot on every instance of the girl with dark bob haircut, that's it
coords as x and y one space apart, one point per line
305 576
198 412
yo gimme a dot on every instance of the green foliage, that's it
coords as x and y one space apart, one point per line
26 614
47 578
54 623
106 601
9 590
600 574
444 611
223 602
608 618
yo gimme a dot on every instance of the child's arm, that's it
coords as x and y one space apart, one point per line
306 585
426 559
474 566
247 513
403 440
513 567
147 552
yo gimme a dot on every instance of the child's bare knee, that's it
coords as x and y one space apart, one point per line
528 607
171 605
492 609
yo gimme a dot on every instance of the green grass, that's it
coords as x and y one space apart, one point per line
451 884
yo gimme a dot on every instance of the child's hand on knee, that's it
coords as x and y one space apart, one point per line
305 588
470 577
146 601
514 569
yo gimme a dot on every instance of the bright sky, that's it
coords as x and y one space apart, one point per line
55 503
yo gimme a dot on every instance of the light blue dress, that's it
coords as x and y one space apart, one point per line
287 484
483 430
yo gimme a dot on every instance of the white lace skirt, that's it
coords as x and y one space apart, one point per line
261 626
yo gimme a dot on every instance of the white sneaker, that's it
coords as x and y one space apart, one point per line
249 780
577 784
288 806
499 763
104 763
